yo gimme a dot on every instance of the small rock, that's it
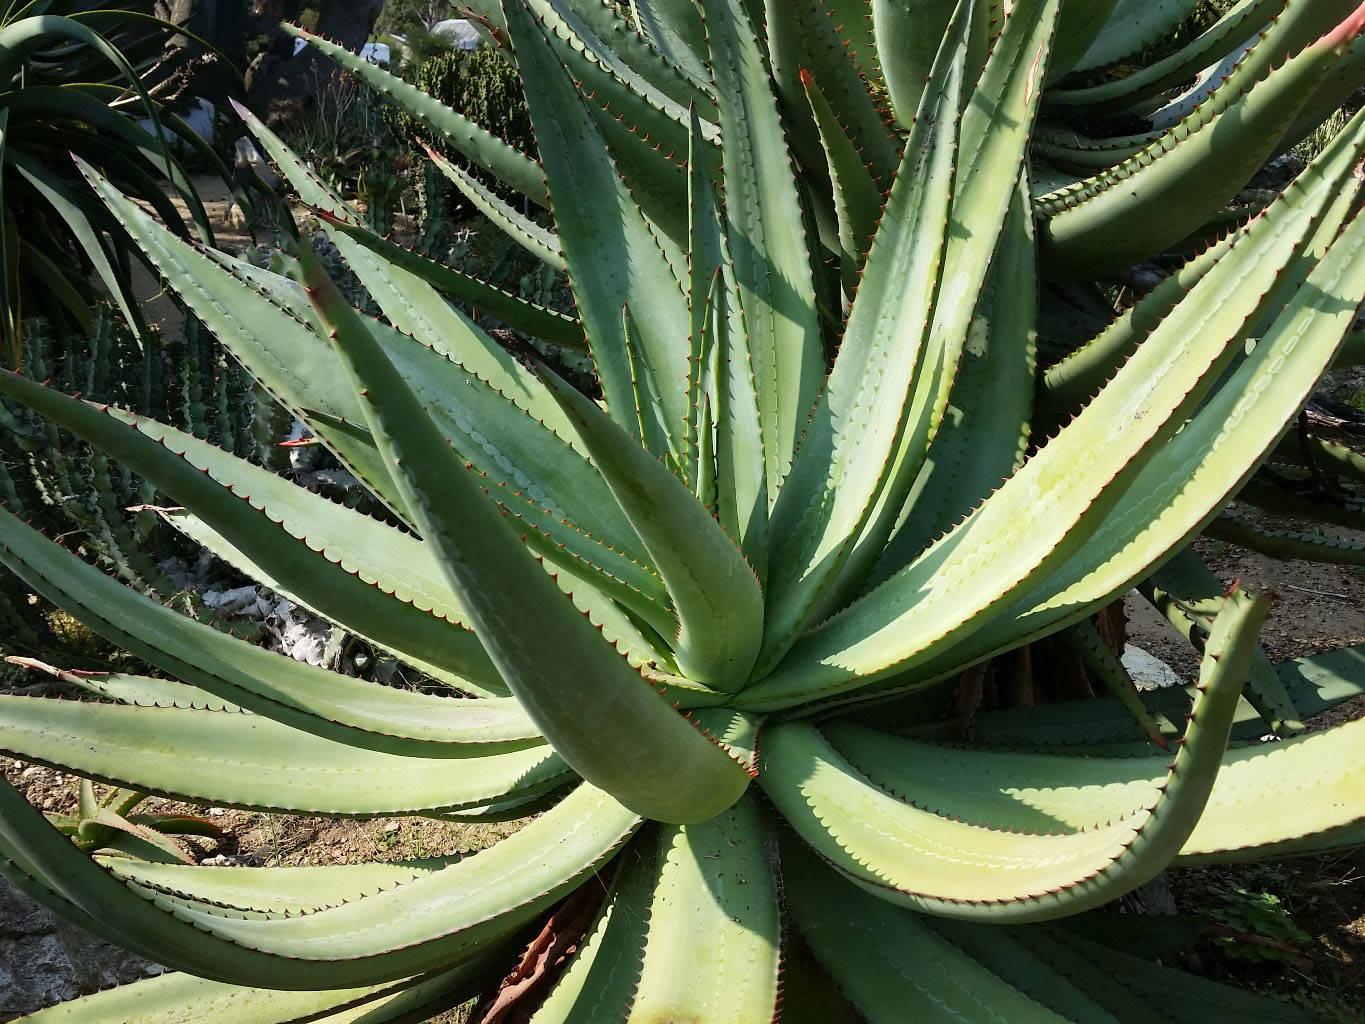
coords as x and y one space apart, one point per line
1148 672
390 827
229 601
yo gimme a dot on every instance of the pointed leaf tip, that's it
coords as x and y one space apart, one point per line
1344 34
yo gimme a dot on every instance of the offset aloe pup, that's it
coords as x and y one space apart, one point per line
700 629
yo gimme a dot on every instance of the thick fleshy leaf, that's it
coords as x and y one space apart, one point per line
767 239
714 591
1312 780
846 457
187 753
713 946
1122 431
252 509
637 50
143 691
858 202
434 922
273 892
324 703
1105 224
1080 26
836 70
1241 423
616 260
690 931
985 430
610 725
889 962
548 325
1135 24
941 862
992 145
600 980
411 304
181 998
1315 784
531 468
1120 983
720 374
674 28
1158 77
538 240
908 35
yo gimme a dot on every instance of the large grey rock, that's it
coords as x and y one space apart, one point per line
44 960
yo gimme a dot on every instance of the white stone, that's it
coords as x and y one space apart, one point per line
1149 672
229 601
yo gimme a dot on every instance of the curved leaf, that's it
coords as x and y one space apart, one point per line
609 724
939 863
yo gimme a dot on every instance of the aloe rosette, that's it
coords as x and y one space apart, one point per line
699 630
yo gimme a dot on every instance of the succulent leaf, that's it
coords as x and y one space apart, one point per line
766 239
656 760
714 591
845 513
944 862
617 261
172 997
393 934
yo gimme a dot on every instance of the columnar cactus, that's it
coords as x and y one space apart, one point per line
699 629
61 484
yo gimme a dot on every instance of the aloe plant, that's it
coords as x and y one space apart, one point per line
1105 196
76 78
700 629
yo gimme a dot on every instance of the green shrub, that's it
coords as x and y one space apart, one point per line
483 85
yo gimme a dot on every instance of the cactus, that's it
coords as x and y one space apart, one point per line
99 507
700 629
